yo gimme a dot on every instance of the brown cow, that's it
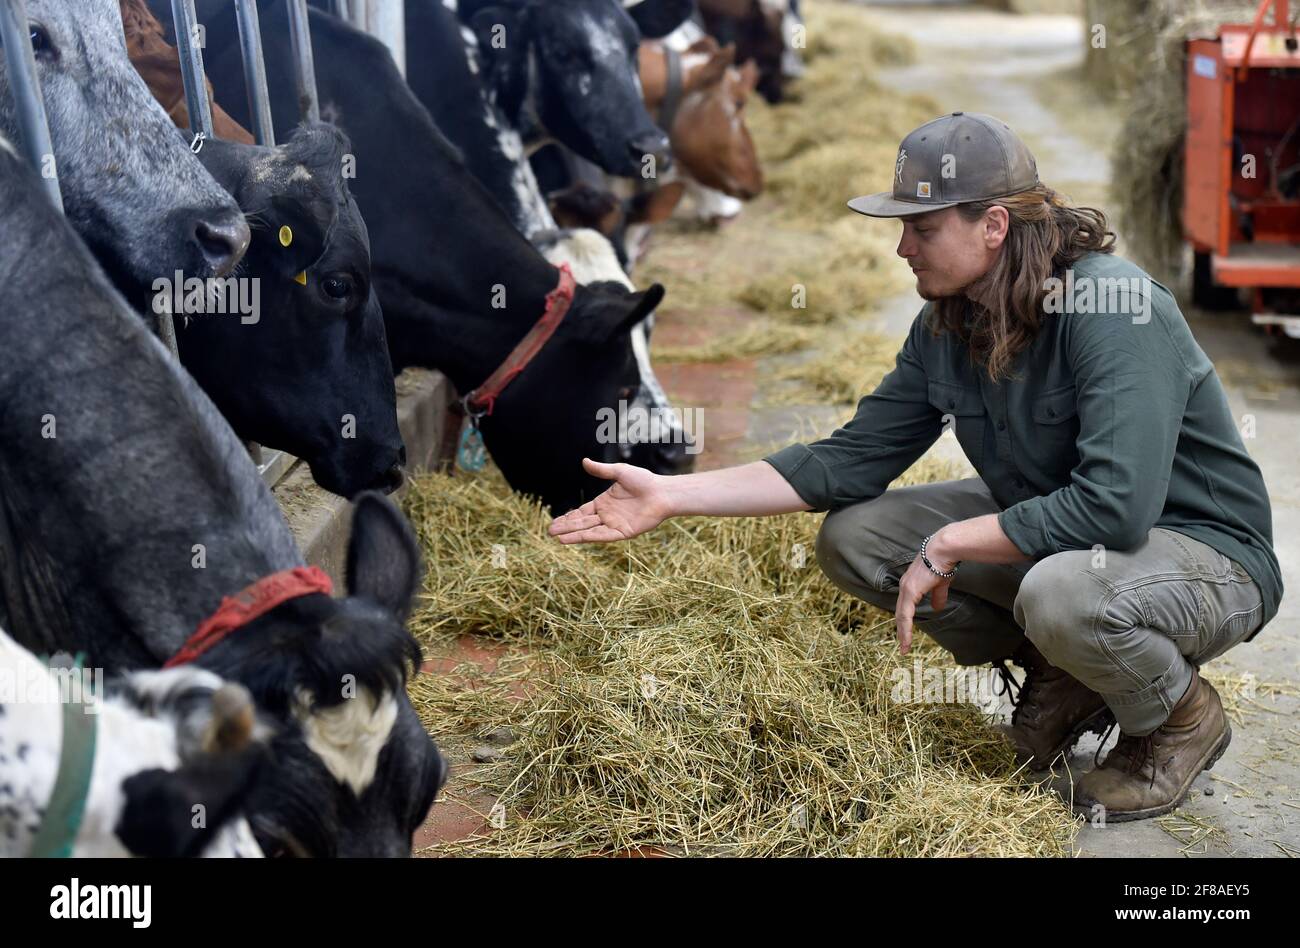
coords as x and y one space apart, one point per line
708 131
159 65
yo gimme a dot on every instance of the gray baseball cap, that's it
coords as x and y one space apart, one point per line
962 157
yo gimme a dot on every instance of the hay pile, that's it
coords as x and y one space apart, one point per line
701 689
842 375
1143 63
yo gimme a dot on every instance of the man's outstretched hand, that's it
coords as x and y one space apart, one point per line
636 502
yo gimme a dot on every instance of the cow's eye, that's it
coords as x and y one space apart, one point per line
337 288
41 44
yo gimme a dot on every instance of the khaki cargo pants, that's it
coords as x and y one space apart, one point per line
1131 629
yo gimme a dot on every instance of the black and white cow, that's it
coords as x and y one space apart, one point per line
310 374
131 510
567 70
657 18
460 286
448 82
175 756
292 367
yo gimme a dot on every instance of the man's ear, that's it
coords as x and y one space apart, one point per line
173 814
383 557
996 223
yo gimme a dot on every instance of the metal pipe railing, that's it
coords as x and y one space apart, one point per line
250 46
304 64
15 37
185 23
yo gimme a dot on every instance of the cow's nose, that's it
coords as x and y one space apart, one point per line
673 458
390 480
651 143
222 238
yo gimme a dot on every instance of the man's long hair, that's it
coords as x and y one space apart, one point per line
1046 235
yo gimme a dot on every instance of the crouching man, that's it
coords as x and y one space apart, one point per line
1118 535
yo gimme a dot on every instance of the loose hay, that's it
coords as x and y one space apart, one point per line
760 339
703 689
841 376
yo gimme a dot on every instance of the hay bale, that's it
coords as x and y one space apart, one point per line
703 688
1143 63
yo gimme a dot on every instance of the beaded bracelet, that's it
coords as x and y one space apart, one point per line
938 572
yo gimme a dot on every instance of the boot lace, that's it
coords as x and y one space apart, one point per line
1010 687
1135 752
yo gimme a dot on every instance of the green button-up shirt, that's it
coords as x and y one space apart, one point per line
1115 423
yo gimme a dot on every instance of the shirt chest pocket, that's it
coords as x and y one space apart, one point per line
962 409
1056 428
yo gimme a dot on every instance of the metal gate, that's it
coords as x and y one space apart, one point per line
382 18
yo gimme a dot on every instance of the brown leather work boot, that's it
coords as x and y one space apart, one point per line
1052 712
1149 776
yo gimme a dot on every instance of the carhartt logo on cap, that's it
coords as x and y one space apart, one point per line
898 168
923 189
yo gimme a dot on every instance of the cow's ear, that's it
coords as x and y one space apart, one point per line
715 69
502 34
749 75
610 310
383 558
296 236
657 18
175 813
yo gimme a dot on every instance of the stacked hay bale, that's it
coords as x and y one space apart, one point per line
1143 64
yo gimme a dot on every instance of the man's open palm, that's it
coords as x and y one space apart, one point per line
634 504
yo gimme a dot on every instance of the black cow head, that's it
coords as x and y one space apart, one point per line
578 379
657 18
352 770
568 69
310 373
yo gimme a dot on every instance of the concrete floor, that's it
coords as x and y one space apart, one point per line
1022 69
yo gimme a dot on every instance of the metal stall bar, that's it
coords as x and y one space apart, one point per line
304 64
250 45
188 45
190 50
15 36
386 20
274 466
383 19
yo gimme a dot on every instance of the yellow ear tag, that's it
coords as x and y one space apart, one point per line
286 236
301 278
